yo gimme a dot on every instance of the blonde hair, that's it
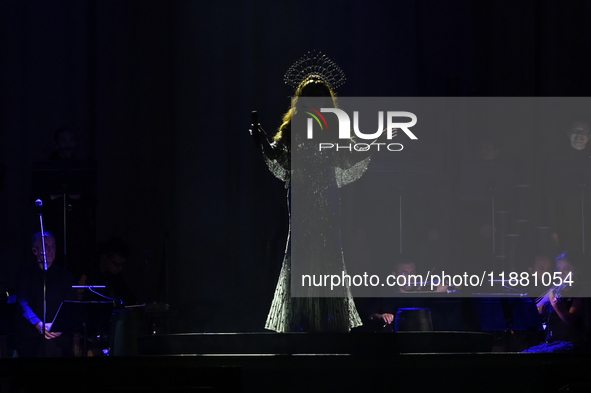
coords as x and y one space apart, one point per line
283 136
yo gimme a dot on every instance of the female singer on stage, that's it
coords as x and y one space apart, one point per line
318 249
562 310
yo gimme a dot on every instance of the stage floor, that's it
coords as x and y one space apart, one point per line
382 371
314 343
303 362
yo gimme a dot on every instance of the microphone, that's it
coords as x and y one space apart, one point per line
254 116
39 204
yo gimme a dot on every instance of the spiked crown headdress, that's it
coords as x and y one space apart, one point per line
314 63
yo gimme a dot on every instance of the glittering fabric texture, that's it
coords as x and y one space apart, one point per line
314 183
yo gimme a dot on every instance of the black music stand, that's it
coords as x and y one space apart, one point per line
508 314
570 177
408 179
489 181
63 178
82 317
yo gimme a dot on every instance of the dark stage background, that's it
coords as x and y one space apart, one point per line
160 94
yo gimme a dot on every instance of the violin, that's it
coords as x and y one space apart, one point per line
545 298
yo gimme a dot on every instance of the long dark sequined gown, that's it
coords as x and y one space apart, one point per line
319 248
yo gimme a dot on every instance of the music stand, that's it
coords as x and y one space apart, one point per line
570 177
507 314
63 178
409 180
490 181
83 316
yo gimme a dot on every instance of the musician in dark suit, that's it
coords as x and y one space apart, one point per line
566 177
113 254
29 323
382 311
542 265
562 310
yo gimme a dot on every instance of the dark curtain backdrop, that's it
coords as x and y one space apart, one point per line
160 94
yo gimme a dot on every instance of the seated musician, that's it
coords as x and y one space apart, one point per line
113 254
382 310
29 324
112 257
562 310
541 265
